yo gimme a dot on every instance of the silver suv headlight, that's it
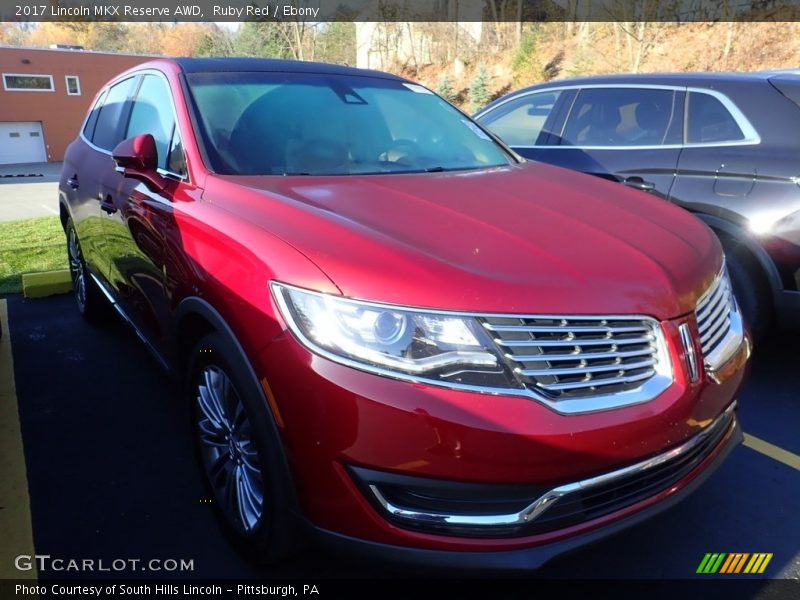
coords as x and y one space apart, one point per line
393 340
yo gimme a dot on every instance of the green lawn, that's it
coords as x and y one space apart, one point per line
30 246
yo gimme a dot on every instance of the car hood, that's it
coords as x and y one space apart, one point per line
527 238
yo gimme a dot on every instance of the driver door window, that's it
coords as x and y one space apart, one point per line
152 113
520 122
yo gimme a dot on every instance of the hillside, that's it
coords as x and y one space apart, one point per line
512 55
559 50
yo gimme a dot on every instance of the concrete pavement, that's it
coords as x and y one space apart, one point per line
29 190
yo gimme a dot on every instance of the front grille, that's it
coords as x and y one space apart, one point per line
714 314
575 357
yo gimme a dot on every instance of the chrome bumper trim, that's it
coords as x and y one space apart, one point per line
544 502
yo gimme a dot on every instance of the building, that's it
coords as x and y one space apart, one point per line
45 95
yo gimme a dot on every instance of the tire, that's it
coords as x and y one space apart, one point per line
91 303
752 293
239 452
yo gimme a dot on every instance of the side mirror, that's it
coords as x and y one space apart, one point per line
137 158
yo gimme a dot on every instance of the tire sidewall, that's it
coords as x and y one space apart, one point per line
270 539
751 295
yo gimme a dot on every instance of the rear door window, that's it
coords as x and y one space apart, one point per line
708 120
91 121
620 117
110 126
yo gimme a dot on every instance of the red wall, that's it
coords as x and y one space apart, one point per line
61 115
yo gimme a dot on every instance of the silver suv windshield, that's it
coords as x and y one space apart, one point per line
267 123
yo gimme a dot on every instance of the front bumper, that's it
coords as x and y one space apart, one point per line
336 421
533 557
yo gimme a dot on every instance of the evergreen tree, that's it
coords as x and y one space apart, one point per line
445 89
479 89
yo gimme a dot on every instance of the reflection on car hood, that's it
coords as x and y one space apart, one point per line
524 239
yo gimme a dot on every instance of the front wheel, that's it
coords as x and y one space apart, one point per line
238 451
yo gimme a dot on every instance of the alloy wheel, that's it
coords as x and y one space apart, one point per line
228 450
76 269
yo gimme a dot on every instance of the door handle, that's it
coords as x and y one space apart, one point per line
107 205
73 182
638 183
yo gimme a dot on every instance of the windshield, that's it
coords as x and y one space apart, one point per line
266 123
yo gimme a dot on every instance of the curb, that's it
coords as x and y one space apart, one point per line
39 285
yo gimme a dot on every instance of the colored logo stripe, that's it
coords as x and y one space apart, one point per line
758 563
724 563
711 563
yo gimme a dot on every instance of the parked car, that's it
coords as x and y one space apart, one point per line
725 146
393 334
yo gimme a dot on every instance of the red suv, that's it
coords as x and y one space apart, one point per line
393 332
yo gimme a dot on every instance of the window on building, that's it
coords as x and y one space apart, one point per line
21 82
73 85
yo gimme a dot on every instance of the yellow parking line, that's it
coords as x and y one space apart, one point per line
774 452
16 530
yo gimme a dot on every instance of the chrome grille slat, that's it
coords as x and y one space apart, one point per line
597 382
581 370
713 314
578 355
719 335
572 359
574 342
564 329
720 310
713 328
711 301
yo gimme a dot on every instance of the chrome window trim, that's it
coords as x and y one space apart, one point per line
648 391
751 136
548 499
139 74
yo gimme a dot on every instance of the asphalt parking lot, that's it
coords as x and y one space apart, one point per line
111 472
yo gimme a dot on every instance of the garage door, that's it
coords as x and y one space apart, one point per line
21 143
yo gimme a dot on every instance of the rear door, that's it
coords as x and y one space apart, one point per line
629 134
719 164
89 174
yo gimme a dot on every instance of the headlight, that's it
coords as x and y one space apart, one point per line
393 340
